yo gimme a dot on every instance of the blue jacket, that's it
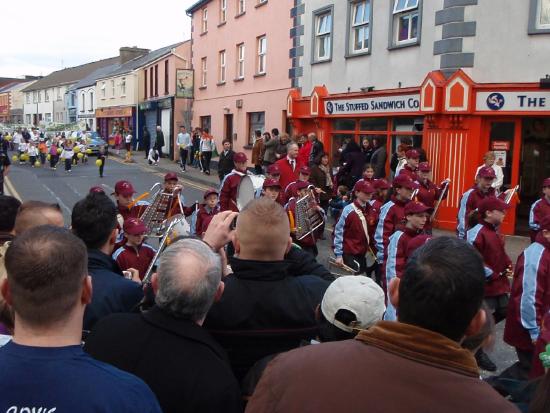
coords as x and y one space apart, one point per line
112 293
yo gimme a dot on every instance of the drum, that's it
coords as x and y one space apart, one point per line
248 187
179 227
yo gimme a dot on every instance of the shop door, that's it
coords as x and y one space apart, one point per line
534 166
504 138
228 135
166 121
151 122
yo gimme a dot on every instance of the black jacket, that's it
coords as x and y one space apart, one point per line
263 311
225 163
160 139
112 293
317 150
183 365
303 263
378 162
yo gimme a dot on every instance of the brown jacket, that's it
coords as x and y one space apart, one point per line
392 367
258 152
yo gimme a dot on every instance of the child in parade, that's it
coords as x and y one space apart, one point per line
539 210
54 156
272 190
206 212
102 158
42 150
134 254
428 192
33 154
230 183
382 187
339 202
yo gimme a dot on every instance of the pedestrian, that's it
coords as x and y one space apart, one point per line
289 165
49 295
539 209
321 177
207 146
352 169
146 141
258 152
230 184
439 303
159 141
498 266
339 202
135 253
194 158
379 156
225 162
291 190
282 146
153 158
489 161
128 142
118 140
4 169
271 141
410 167
367 149
271 189
317 150
67 155
183 141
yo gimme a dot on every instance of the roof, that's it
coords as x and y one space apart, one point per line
196 6
70 75
16 86
92 77
140 61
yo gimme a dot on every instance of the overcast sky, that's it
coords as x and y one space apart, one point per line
40 36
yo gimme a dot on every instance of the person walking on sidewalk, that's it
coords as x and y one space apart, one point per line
258 152
146 141
159 140
207 146
184 142
226 163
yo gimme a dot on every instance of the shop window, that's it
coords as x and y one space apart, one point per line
343 124
338 142
359 27
403 124
322 38
256 121
539 17
374 124
406 22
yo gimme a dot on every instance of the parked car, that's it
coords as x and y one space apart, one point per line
95 143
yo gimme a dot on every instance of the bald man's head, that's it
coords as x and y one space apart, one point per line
263 231
35 213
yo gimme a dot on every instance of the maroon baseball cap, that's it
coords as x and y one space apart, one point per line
271 183
209 192
546 182
412 154
416 207
170 176
240 157
305 170
363 186
124 188
424 167
404 181
381 184
301 185
416 243
487 172
134 226
545 223
96 190
492 204
274 170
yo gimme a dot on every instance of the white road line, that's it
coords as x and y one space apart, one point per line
59 201
8 186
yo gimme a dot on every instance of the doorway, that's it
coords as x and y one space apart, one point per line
228 133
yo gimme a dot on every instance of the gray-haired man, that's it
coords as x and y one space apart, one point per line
166 346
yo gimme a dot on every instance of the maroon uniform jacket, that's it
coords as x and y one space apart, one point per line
539 210
287 174
290 191
349 235
228 191
395 255
392 215
428 194
530 297
204 216
139 258
407 170
468 203
485 238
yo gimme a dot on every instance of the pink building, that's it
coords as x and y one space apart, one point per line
165 93
241 59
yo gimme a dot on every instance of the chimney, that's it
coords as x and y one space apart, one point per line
129 53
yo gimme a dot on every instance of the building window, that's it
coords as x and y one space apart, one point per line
151 86
323 35
91 102
203 72
262 1
223 11
262 55
406 22
205 122
156 80
34 97
28 97
58 93
359 30
82 102
112 88
256 121
48 117
28 119
204 27
46 97
241 6
539 17
123 87
166 77
103 87
39 96
240 61
221 66
145 84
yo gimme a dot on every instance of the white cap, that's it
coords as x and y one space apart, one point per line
355 293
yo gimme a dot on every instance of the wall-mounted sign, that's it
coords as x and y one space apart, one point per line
379 104
114 112
500 158
513 101
184 83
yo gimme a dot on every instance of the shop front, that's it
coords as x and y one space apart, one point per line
456 121
113 120
159 112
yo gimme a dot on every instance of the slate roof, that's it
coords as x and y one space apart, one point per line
96 74
196 6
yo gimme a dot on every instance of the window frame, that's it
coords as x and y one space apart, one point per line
222 67
122 87
393 43
113 89
28 97
240 61
316 14
83 101
204 72
46 96
91 99
103 88
204 20
261 57
241 7
166 77
223 11
534 16
156 80
250 130
350 29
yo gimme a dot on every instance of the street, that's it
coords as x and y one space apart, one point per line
66 189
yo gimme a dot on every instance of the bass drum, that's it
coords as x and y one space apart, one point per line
248 187
180 228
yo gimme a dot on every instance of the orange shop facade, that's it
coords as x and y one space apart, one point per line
455 120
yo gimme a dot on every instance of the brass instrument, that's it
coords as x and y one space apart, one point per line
308 217
158 211
343 267
443 192
510 194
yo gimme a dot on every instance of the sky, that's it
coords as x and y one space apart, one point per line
43 36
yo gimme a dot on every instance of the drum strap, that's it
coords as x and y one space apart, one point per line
363 221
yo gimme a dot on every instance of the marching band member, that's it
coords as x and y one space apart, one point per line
412 157
354 232
395 256
124 195
472 198
392 213
272 190
382 187
539 209
134 254
177 205
486 239
230 183
206 212
309 243
291 189
428 192
529 299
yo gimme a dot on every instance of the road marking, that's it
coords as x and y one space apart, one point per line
11 189
59 201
